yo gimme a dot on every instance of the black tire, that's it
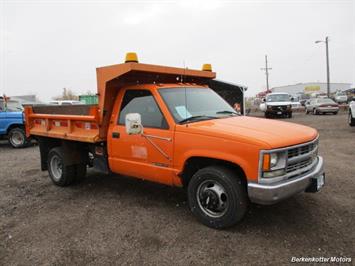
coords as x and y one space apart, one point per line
315 112
233 196
267 115
351 120
307 112
17 138
67 173
289 115
335 113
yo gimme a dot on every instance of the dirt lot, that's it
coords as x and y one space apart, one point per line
117 220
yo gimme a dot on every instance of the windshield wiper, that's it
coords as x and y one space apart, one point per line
227 112
196 118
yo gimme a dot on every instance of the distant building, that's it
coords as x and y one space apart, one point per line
311 87
25 99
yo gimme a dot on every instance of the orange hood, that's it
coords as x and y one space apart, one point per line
256 131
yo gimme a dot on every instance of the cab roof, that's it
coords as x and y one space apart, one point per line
110 79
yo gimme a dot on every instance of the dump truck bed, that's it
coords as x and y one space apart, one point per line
71 122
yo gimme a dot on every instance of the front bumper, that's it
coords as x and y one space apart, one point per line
271 193
278 111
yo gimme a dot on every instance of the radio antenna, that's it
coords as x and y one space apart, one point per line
185 91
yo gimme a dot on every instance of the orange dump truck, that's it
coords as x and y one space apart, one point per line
165 125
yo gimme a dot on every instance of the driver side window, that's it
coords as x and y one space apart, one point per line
142 102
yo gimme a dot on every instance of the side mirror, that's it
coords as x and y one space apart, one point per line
292 99
263 100
134 124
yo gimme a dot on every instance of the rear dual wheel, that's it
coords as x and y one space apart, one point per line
217 197
62 174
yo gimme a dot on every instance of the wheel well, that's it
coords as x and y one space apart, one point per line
193 164
45 145
74 152
14 126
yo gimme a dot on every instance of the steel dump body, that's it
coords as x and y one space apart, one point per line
89 123
75 122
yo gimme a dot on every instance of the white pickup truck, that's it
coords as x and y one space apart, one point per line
277 104
352 114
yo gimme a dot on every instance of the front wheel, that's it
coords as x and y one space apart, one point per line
17 138
315 112
217 197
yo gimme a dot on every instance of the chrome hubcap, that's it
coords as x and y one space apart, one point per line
56 167
17 138
212 198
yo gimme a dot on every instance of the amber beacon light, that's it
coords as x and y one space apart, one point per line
131 58
207 67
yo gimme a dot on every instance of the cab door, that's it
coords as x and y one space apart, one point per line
150 155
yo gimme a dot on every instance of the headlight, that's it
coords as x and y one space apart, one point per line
274 164
273 159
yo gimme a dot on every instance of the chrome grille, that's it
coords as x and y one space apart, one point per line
299 165
294 152
279 108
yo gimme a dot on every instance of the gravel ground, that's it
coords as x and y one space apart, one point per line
118 220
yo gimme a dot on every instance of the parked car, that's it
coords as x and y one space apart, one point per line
351 119
321 106
277 104
340 97
12 123
295 105
65 102
302 98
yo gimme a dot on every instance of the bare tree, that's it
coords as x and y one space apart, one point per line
67 94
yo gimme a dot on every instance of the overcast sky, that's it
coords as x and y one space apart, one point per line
48 45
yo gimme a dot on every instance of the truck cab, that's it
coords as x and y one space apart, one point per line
12 123
166 125
277 104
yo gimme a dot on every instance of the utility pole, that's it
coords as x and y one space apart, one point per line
328 78
327 58
266 73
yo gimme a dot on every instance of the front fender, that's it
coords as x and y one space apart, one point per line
248 164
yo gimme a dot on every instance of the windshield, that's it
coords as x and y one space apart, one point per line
278 98
196 102
325 100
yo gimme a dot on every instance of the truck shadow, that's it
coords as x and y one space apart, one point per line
297 215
